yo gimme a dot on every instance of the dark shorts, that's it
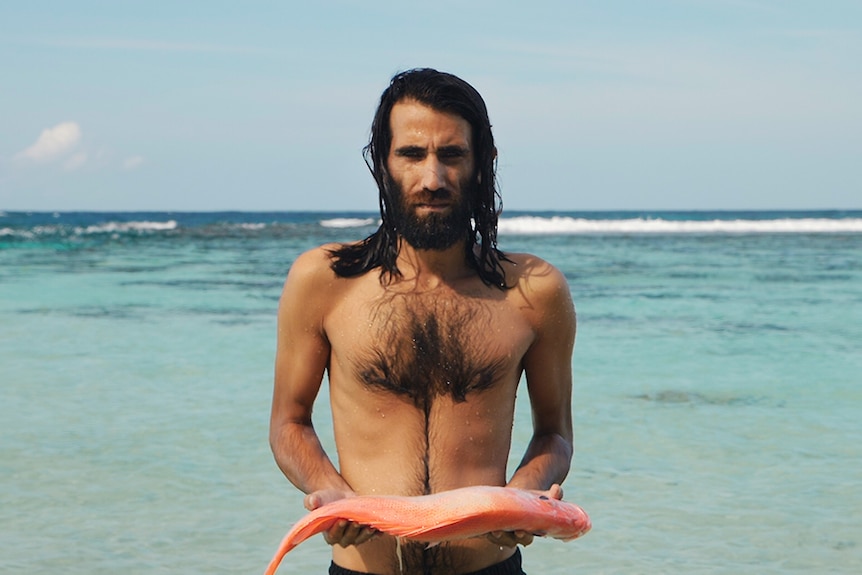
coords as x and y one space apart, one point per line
511 566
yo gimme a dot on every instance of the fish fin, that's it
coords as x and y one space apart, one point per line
432 544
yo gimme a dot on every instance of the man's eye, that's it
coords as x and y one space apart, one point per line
411 153
451 154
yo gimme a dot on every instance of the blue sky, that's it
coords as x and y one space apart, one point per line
666 104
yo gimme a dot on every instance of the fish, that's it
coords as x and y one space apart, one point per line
444 516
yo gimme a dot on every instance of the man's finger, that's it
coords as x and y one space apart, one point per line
351 532
503 538
523 537
345 533
335 533
364 535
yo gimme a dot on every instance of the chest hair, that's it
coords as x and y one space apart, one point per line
422 347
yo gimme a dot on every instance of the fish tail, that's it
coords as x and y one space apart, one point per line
311 525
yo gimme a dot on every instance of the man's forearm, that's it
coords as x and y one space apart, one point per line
302 459
546 461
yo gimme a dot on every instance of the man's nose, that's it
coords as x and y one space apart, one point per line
433 173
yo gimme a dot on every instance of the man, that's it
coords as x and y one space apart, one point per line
424 328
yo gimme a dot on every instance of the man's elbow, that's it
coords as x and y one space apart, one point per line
566 446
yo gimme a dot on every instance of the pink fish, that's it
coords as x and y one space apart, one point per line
445 516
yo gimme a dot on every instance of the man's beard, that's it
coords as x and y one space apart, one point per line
432 231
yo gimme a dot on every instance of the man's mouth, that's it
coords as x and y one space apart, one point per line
433 206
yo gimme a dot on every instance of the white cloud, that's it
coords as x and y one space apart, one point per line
53 143
132 162
61 145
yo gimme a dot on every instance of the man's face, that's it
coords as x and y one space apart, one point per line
432 172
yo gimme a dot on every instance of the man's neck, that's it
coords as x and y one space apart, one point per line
429 269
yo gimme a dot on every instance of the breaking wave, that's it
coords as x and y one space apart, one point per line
347 222
525 225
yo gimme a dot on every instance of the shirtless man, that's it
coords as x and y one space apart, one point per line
424 329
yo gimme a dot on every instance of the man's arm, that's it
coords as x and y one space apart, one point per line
548 368
302 354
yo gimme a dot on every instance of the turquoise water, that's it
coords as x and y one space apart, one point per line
718 402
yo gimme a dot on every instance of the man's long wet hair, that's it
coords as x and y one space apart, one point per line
445 93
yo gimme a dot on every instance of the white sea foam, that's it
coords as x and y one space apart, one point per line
253 226
44 230
119 227
347 222
530 225
106 228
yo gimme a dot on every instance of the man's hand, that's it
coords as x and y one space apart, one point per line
344 532
512 538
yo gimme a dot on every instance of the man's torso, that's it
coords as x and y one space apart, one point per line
422 389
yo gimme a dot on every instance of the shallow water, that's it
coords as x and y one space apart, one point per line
717 401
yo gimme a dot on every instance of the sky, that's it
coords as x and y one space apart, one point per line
599 105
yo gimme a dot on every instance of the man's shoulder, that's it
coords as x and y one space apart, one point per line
311 282
315 266
312 269
313 261
541 289
528 270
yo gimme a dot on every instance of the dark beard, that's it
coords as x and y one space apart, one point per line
432 231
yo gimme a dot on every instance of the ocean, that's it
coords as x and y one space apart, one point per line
717 400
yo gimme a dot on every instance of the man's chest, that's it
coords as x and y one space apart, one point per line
425 345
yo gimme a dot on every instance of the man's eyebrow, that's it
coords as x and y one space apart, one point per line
409 150
453 149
